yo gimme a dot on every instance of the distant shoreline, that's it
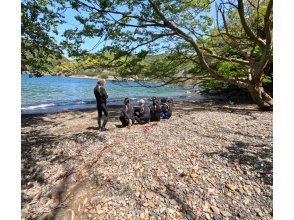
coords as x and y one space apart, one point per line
121 79
115 79
97 77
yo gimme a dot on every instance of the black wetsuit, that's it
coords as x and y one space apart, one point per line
127 113
143 115
101 97
166 111
155 111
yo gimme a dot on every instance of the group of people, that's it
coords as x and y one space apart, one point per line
159 109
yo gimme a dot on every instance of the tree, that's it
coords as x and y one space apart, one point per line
240 40
39 50
235 49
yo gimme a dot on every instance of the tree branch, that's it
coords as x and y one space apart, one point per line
124 14
239 61
202 60
235 43
246 27
266 50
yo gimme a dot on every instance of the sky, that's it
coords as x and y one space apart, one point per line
70 23
90 44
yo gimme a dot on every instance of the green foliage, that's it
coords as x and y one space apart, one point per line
104 75
231 69
266 79
210 84
39 51
38 60
88 65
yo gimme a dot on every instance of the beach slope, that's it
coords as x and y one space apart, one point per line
208 161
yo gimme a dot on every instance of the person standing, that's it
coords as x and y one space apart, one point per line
101 97
127 114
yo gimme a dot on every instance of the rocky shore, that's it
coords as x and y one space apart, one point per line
209 161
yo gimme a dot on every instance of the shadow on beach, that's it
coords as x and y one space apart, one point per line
43 134
256 156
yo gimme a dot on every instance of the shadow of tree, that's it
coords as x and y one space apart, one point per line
37 146
31 172
184 107
35 140
257 156
171 194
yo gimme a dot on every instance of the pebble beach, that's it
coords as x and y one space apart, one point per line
209 161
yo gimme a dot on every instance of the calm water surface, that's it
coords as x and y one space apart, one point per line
54 93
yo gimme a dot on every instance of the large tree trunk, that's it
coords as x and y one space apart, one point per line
260 97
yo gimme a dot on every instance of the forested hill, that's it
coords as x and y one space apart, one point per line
39 60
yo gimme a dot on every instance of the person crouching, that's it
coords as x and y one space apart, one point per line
142 115
127 114
155 109
166 109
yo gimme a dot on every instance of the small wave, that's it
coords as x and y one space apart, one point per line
41 106
59 105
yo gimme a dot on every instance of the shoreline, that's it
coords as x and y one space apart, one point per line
218 99
112 78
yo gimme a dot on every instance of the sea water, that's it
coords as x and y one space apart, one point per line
56 93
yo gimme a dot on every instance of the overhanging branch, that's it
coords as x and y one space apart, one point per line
246 27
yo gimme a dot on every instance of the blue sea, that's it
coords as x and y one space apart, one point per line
49 94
